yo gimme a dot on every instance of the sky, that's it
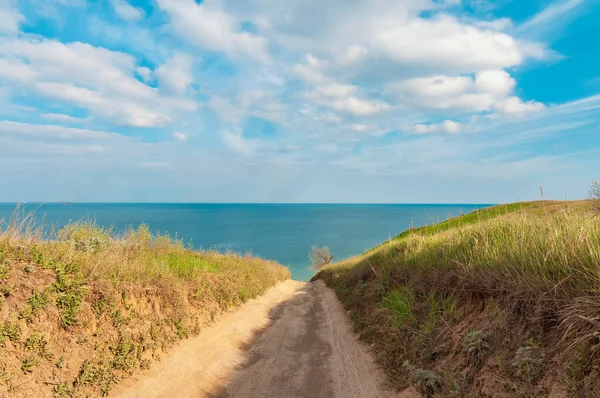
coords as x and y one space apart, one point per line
337 101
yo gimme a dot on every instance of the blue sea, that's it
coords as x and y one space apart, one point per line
281 232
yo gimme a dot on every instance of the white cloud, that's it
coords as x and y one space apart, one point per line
360 128
126 11
447 126
516 106
312 71
459 93
496 82
447 41
59 117
144 72
227 111
341 98
358 107
210 27
10 17
175 75
235 142
86 76
46 132
336 90
180 136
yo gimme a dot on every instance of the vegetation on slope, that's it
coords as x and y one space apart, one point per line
84 310
502 302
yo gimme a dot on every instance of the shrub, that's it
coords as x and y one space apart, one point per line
320 257
528 363
426 381
476 345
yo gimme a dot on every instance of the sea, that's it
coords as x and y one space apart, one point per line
281 232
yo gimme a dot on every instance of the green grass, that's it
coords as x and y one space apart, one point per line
537 262
468 219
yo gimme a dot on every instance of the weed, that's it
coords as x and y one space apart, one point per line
4 271
145 364
100 305
181 328
63 390
425 381
38 301
30 363
118 319
12 329
476 345
35 342
125 354
61 362
5 291
26 314
68 299
528 363
86 375
29 268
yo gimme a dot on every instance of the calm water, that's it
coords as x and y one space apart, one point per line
284 233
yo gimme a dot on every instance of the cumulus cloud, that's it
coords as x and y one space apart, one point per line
212 28
86 76
446 41
126 11
343 97
482 92
514 105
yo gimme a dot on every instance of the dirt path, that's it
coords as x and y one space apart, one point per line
299 344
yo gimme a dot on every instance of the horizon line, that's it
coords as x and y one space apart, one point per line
252 203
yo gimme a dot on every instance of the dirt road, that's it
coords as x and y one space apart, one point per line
295 341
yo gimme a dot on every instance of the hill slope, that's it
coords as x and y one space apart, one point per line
83 311
501 302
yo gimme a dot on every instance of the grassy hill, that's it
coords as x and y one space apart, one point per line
504 301
82 311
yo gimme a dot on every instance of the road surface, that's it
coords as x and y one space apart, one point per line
295 341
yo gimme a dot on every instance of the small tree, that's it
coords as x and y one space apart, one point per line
595 196
320 257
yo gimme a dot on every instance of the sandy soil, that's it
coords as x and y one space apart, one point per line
295 341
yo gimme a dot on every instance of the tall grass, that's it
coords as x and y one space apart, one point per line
541 263
136 255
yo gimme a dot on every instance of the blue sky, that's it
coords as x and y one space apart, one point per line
298 100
